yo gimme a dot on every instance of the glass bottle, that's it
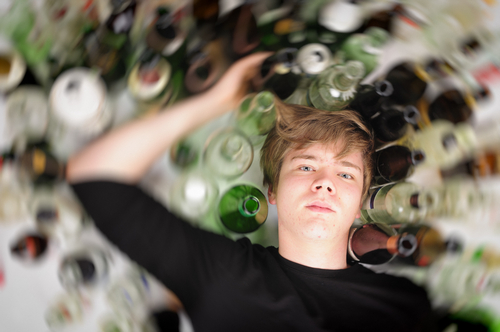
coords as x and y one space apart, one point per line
314 58
79 109
392 123
83 267
335 87
366 47
395 163
256 116
444 144
65 311
27 115
276 74
408 86
150 84
341 16
128 295
299 96
453 106
14 194
228 153
243 208
184 153
379 243
402 202
192 194
40 165
369 98
12 67
30 246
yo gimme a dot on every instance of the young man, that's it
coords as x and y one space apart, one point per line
317 165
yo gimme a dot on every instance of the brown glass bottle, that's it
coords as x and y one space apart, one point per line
408 86
395 163
368 98
378 244
452 106
392 123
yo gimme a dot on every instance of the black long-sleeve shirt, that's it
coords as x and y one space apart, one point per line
228 285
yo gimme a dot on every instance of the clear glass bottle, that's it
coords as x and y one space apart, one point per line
314 58
193 194
256 116
228 153
84 267
366 47
243 208
336 86
395 163
402 202
299 96
128 295
68 309
12 67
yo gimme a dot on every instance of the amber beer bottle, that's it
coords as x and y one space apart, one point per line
395 163
408 85
369 98
392 123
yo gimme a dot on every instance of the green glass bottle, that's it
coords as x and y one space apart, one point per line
299 96
335 87
256 115
396 203
366 47
243 209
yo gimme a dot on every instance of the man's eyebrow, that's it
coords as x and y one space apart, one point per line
348 164
304 156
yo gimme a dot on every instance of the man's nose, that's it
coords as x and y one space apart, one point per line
324 183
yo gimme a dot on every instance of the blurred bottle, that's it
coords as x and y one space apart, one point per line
184 153
393 123
83 267
68 309
395 163
119 323
128 295
366 47
299 96
256 116
369 98
402 202
30 246
243 208
336 86
408 86
107 47
193 194
39 164
276 74
384 18
27 116
379 243
14 194
56 214
12 67
80 111
314 59
150 84
228 153
238 28
485 165
454 106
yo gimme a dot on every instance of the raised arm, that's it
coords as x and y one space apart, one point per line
126 153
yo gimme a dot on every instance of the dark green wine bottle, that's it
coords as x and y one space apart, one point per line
243 209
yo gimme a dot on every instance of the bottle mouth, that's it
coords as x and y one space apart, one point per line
411 114
384 88
407 244
250 206
417 157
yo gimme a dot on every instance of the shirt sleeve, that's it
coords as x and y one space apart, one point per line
182 257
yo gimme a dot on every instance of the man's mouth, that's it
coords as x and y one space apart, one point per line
319 206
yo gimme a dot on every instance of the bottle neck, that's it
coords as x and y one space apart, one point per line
249 206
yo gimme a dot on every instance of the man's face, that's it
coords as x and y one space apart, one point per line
318 195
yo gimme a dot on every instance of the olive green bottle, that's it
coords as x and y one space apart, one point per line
256 115
243 208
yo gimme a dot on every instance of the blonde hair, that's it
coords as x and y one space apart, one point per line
299 126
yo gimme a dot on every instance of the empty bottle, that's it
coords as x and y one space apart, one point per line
65 311
12 67
335 87
366 47
30 246
243 209
314 58
369 98
83 267
228 153
256 116
392 123
403 202
408 86
395 163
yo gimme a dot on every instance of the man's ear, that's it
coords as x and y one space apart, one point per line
270 195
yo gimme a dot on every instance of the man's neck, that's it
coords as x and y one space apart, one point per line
321 254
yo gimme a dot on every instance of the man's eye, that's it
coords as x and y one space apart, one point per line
346 176
306 168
